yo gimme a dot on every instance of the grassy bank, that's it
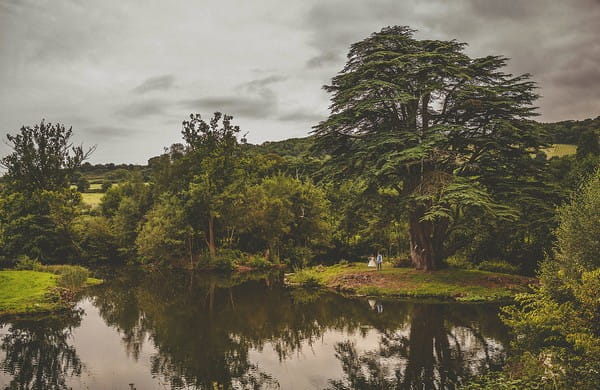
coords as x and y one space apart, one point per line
28 292
454 284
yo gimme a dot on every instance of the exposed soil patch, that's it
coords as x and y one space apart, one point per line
352 281
511 282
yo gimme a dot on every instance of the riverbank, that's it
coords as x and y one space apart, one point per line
33 292
449 284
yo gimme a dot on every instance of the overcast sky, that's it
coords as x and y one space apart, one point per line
125 73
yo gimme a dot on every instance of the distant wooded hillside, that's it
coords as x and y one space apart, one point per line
568 132
564 132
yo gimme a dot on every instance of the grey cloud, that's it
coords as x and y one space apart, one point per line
301 116
251 107
509 9
255 100
59 31
142 109
159 83
110 131
258 84
557 42
324 58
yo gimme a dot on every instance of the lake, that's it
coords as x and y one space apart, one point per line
181 331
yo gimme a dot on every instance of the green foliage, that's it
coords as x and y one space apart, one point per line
125 206
498 266
570 131
306 279
287 215
258 262
165 236
42 158
73 277
588 144
459 260
222 263
96 238
83 184
106 186
560 319
39 225
26 263
500 381
422 119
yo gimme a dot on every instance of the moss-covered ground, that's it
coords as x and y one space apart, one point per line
28 292
454 284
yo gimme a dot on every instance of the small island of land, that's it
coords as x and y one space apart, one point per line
453 284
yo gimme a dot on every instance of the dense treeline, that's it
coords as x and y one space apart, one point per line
432 158
570 132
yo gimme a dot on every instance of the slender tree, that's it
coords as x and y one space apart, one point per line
214 156
43 158
423 119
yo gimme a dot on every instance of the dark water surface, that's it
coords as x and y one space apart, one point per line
165 331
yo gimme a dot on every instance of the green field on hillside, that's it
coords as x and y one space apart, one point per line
560 150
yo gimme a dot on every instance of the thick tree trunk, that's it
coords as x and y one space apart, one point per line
426 241
211 237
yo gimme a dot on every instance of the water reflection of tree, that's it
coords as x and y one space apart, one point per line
203 330
439 350
37 353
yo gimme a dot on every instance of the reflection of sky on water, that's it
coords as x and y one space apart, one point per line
130 336
314 364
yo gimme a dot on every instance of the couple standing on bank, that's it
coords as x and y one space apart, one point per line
376 261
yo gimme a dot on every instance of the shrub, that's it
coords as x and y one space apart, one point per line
498 266
344 262
258 262
298 256
26 263
306 279
233 254
222 263
73 277
459 261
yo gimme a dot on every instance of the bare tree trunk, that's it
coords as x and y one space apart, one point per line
191 253
426 241
211 237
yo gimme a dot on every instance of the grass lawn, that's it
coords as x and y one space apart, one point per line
559 150
95 186
25 292
92 198
455 284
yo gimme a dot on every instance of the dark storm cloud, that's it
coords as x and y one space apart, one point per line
557 42
159 83
142 109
